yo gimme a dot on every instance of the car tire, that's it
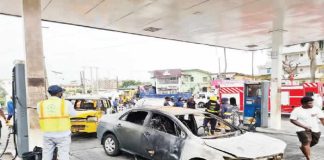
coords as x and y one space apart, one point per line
201 105
111 145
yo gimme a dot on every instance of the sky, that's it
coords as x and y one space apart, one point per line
69 49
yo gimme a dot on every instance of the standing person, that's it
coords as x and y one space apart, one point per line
54 119
179 103
4 117
226 108
191 103
167 101
306 118
235 112
214 108
115 104
10 109
172 101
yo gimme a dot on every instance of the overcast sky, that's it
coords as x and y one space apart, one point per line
67 49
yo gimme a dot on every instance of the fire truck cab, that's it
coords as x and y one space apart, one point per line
290 94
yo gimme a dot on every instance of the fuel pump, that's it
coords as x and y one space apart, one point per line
20 107
256 98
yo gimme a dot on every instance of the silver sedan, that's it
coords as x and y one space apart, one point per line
174 133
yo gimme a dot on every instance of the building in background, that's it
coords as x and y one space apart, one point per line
302 73
195 80
167 81
108 84
172 81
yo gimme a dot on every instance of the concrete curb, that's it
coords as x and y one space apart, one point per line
273 131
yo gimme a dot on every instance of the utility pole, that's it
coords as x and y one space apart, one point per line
117 84
97 81
46 79
225 60
219 67
253 65
83 85
91 79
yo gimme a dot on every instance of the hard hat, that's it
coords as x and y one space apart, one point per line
224 100
213 98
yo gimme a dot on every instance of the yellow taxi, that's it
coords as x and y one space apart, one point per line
89 110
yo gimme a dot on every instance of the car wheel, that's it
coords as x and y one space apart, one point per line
201 105
111 145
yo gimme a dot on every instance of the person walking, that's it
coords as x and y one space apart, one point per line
115 104
191 103
214 108
54 119
306 118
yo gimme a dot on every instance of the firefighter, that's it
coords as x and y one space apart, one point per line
214 108
226 108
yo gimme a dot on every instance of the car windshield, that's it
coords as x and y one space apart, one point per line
195 123
82 104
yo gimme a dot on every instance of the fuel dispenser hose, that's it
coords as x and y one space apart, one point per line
13 128
12 131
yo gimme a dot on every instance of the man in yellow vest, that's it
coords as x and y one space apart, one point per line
54 119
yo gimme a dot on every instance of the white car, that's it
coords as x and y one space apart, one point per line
202 99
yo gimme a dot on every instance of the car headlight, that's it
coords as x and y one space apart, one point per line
92 119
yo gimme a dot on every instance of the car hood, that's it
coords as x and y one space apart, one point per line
248 145
85 114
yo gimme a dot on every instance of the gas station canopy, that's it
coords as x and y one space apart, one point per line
227 23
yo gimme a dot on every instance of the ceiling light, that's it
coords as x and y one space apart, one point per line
152 29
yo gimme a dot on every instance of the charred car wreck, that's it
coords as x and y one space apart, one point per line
170 133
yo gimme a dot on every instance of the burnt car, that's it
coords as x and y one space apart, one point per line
172 133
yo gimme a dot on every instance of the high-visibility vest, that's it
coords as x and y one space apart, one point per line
212 108
228 113
54 116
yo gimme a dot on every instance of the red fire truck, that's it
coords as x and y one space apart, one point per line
290 95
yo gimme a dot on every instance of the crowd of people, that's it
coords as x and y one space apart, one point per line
225 109
180 102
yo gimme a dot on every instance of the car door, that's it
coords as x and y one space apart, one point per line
129 130
163 138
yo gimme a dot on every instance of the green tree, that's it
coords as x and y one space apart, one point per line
128 83
3 92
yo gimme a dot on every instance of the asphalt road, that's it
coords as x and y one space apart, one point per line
85 148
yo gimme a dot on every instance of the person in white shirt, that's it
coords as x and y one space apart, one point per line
306 118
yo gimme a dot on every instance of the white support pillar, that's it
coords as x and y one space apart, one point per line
276 71
34 57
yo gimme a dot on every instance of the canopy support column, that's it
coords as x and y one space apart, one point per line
276 71
35 68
